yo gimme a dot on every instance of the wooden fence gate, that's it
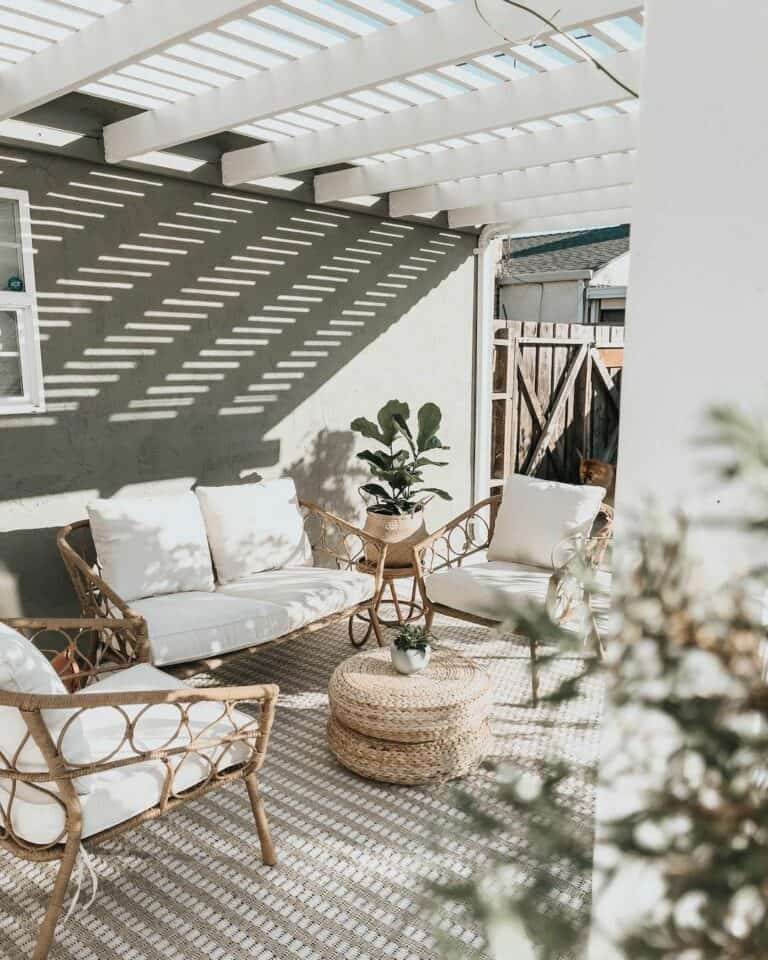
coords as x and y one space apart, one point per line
555 396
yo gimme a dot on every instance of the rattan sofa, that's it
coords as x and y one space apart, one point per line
92 744
456 580
343 580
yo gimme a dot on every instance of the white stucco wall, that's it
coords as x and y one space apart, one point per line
426 356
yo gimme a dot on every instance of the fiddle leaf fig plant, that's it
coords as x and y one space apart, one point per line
397 468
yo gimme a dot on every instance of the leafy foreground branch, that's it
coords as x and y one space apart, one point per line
682 851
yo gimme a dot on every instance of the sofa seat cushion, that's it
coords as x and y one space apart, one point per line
304 594
492 590
194 626
117 795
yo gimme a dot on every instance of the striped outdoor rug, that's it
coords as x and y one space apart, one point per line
355 856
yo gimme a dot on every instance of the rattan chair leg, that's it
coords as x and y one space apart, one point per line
375 623
262 824
534 673
48 926
429 616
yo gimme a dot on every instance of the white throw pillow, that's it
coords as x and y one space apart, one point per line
254 527
24 669
536 515
149 546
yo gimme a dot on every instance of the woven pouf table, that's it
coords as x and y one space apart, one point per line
423 728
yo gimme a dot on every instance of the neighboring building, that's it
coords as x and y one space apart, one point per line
577 277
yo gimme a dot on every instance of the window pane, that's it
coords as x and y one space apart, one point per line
10 359
11 272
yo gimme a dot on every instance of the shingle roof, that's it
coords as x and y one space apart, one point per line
583 250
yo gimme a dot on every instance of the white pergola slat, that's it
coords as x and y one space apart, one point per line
569 204
136 31
446 36
558 224
562 91
590 174
567 143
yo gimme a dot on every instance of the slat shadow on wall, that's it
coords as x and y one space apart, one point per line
182 322
556 390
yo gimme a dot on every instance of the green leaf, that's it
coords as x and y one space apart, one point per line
433 443
438 493
368 429
377 458
426 462
376 490
429 417
389 428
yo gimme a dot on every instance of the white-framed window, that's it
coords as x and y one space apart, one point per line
21 372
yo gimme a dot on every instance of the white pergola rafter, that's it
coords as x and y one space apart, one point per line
590 174
508 104
445 36
568 204
136 31
568 143
558 224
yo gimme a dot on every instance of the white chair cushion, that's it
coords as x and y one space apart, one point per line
493 590
253 527
193 626
149 546
118 795
537 515
304 594
24 669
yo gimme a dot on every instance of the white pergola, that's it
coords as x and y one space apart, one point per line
490 116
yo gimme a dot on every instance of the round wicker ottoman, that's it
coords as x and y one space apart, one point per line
423 728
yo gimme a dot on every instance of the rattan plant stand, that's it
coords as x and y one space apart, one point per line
423 728
405 609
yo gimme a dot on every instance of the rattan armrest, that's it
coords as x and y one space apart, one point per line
350 547
84 648
456 540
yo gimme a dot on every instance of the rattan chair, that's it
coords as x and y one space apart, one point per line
470 534
204 729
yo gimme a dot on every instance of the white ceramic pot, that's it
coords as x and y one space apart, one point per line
400 533
409 661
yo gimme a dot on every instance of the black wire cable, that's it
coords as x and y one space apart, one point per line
553 26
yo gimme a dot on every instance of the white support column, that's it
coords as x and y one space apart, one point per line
696 330
698 301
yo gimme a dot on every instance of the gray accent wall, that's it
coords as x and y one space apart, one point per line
236 337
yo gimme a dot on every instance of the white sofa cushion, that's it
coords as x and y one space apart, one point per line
118 795
493 590
24 669
253 527
537 515
305 594
149 546
193 626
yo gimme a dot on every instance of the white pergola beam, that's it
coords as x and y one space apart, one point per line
136 31
568 143
560 224
507 104
446 36
569 204
590 174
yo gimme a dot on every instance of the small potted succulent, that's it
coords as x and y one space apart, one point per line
411 649
396 514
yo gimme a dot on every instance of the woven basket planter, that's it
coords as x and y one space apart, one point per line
421 728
